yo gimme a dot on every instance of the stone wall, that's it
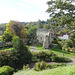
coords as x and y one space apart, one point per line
41 33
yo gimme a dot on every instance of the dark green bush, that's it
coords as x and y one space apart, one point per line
65 44
43 55
39 56
17 57
55 41
40 66
60 59
6 70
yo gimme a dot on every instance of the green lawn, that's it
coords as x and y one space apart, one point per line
69 70
58 51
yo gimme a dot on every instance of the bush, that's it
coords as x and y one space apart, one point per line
6 70
56 65
55 41
65 44
60 59
42 56
17 57
21 50
40 66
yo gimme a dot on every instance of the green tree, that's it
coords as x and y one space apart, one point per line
21 51
46 26
32 32
40 25
62 12
7 37
73 38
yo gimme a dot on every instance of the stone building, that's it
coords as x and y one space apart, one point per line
45 36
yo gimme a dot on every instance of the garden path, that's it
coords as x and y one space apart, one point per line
34 48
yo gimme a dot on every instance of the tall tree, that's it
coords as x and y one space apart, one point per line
62 12
40 25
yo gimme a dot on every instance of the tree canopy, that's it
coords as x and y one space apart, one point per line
62 12
16 28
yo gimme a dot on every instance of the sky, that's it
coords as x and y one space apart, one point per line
23 10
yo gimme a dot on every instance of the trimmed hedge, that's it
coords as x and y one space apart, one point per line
61 59
56 65
42 56
6 70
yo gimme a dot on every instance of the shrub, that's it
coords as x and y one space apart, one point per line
55 41
39 56
21 50
25 66
16 57
6 70
65 44
56 65
40 66
61 59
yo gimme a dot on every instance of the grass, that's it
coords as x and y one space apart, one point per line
69 70
57 51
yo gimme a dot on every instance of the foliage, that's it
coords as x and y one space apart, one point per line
6 70
56 10
22 51
73 38
66 44
46 26
55 41
16 28
60 59
40 66
39 56
51 66
17 56
25 66
40 25
7 36
32 32
18 44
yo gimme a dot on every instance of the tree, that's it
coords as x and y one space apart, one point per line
16 28
62 12
46 26
21 51
7 37
32 32
73 38
40 25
